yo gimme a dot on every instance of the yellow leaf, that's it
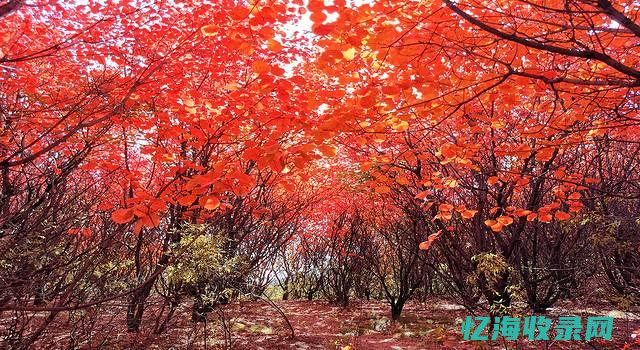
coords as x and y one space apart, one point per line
349 54
231 86
401 126
498 124
209 30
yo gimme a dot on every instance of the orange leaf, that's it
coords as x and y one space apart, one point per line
522 212
422 195
368 100
575 196
151 220
448 150
545 217
260 67
122 216
427 244
575 206
505 220
382 189
468 214
562 216
274 45
544 154
210 202
328 150
83 232
402 180
444 215
187 200
445 207
494 225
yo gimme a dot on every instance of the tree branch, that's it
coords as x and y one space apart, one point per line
587 54
11 6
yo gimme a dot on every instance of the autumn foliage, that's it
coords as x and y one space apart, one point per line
322 145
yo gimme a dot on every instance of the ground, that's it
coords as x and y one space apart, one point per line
434 324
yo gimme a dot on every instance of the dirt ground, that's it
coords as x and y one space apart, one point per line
317 325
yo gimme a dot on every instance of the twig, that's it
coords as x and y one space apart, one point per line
293 334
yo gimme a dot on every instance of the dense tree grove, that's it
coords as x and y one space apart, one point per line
161 155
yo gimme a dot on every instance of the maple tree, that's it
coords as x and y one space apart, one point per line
473 145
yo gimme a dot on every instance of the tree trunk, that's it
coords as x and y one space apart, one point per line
200 310
135 309
396 310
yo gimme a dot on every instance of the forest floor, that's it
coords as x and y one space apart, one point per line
434 324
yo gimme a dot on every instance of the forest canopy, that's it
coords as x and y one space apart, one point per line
161 156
